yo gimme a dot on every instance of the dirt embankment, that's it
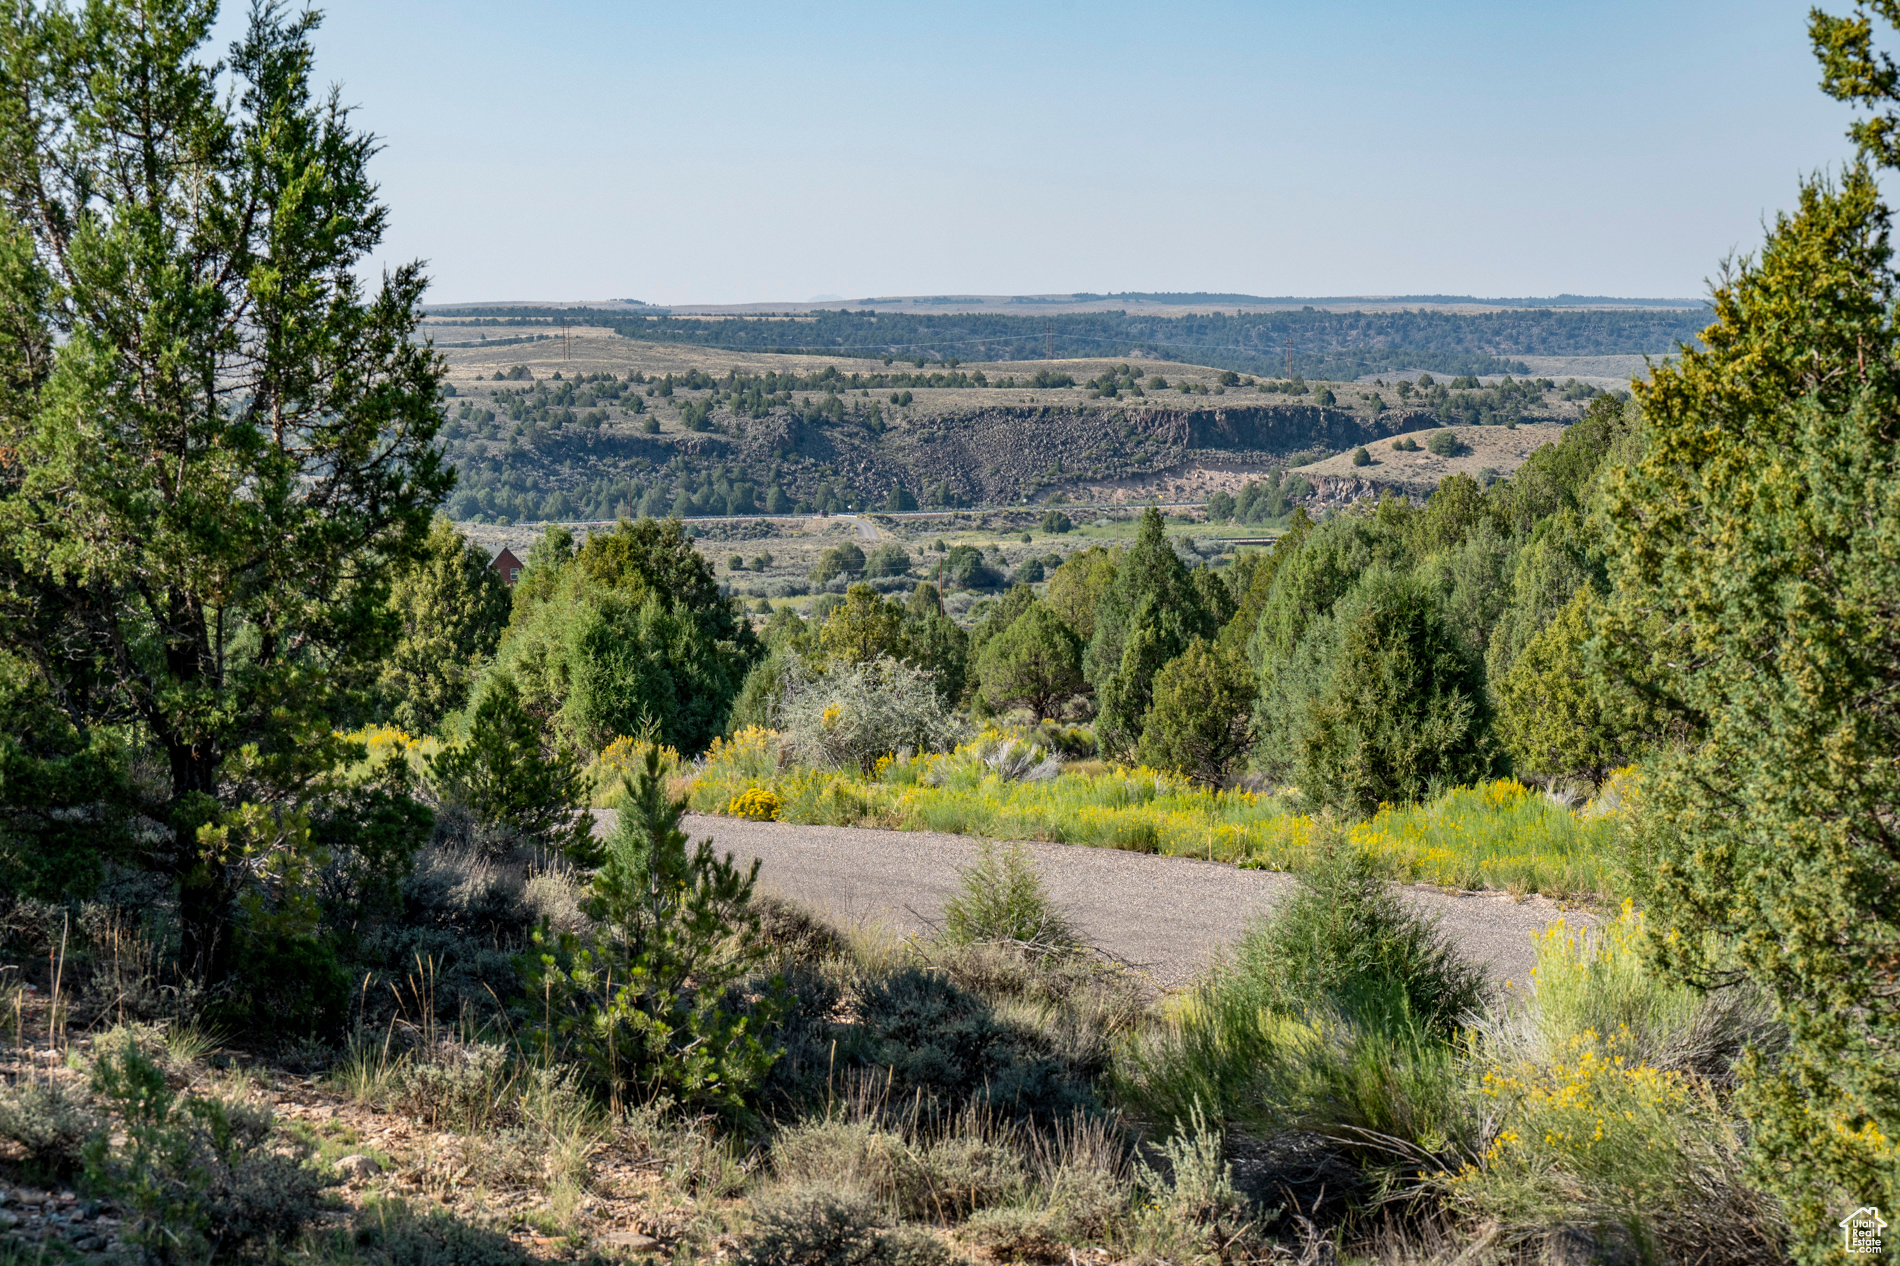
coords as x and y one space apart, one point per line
1483 452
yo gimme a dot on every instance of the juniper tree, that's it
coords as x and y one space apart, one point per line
219 434
1754 547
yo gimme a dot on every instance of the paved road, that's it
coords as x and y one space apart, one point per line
1168 914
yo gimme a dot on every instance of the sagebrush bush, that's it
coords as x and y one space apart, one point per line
391 1233
51 1124
794 932
1194 1212
814 1227
197 1177
854 713
914 1173
457 1086
934 1044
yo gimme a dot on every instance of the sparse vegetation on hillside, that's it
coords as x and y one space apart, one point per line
1324 345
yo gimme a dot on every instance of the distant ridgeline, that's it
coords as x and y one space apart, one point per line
1321 345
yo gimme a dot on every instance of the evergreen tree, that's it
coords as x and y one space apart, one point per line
1201 720
1552 714
221 438
453 607
864 628
1146 618
516 790
644 1001
1755 552
1403 708
628 632
1035 663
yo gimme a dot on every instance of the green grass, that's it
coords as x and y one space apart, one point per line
1500 835
1597 1100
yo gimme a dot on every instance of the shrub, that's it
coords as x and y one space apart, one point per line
50 1124
840 560
760 804
854 713
817 1227
1603 1093
1444 443
935 1044
1596 1137
910 1172
389 1233
1194 1211
642 1002
1599 981
1055 521
197 1177
1002 898
456 1086
888 559
284 983
1346 937
1360 457
963 567
1334 1016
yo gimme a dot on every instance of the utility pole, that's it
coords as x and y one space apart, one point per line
563 338
1049 340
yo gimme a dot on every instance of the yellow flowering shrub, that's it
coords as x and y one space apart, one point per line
761 804
382 741
750 753
1617 798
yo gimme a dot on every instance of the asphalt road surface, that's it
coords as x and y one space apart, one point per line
1167 915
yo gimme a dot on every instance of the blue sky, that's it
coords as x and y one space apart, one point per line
573 149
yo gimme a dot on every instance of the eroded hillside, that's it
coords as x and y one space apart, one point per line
617 427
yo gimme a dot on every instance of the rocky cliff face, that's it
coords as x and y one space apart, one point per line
992 455
1000 455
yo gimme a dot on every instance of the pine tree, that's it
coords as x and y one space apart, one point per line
642 1002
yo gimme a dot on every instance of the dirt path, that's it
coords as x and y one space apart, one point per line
1168 914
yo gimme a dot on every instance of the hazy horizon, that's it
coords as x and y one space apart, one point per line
776 153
